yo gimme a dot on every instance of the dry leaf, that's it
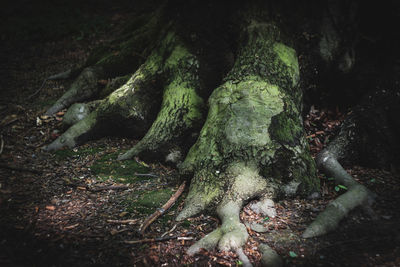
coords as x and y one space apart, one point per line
122 214
50 208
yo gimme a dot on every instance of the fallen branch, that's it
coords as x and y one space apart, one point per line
158 239
108 187
58 76
21 169
1 144
163 209
171 230
130 221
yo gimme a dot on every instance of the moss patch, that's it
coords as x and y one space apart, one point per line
108 167
146 202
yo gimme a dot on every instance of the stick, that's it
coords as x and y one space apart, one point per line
149 240
122 221
1 144
163 209
16 168
158 239
58 76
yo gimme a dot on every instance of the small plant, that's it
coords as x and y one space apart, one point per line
338 187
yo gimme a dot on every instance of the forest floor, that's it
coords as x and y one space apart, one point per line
78 207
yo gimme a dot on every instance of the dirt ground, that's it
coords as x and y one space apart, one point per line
80 207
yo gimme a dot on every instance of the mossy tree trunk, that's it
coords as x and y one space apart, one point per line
250 144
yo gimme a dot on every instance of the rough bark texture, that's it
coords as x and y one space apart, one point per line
250 146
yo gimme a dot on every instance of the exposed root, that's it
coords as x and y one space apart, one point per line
75 134
58 76
131 107
355 196
83 88
181 109
78 112
232 234
265 206
269 257
113 61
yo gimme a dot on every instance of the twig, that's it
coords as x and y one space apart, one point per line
150 240
158 239
16 168
122 221
163 209
58 76
171 230
1 144
109 187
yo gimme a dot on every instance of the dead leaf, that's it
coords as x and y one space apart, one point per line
122 214
50 208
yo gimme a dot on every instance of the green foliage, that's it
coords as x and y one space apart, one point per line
338 187
292 254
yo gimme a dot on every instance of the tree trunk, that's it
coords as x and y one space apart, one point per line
250 145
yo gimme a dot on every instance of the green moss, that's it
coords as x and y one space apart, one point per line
108 167
288 56
146 202
286 128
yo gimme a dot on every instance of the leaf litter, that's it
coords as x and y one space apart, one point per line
71 214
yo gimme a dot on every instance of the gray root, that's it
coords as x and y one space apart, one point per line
181 109
269 257
265 206
232 234
243 258
356 195
83 88
75 134
78 112
60 76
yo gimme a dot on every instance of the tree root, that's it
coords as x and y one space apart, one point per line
111 62
181 109
130 107
356 195
76 134
232 234
83 88
269 257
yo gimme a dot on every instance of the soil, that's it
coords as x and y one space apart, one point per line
79 207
